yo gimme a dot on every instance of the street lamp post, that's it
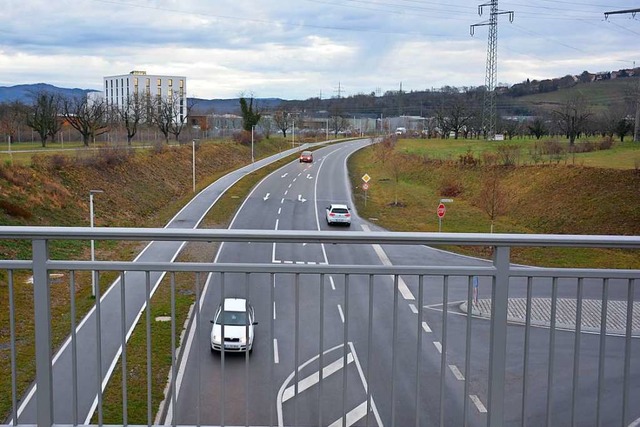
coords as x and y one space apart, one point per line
193 158
93 249
327 120
252 128
293 134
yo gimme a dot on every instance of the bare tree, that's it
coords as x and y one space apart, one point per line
42 116
572 117
493 197
337 122
282 119
11 116
454 115
131 114
89 117
396 166
163 113
537 128
182 118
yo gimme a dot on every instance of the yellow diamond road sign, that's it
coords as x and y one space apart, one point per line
366 177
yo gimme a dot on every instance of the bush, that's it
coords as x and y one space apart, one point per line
468 159
244 137
450 186
508 154
605 144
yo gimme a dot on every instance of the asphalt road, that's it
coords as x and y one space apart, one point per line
310 324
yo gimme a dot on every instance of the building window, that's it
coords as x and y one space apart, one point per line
159 82
148 82
159 92
170 93
181 84
170 82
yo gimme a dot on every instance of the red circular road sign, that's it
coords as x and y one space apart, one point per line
365 186
441 210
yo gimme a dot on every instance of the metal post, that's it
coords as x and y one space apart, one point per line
42 322
252 128
498 336
193 158
93 249
293 134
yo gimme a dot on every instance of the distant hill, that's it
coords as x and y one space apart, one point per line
24 93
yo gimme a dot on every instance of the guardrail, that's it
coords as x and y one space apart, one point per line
530 311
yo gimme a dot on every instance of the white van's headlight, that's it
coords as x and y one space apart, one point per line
216 338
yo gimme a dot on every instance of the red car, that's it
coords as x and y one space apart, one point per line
306 156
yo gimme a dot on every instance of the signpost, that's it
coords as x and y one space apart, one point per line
365 186
441 211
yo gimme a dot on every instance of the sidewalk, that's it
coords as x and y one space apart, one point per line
565 314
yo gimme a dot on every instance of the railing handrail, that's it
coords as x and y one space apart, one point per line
314 236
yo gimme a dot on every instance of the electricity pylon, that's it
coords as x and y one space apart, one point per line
489 109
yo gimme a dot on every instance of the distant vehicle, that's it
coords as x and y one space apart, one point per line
238 318
401 131
338 214
306 156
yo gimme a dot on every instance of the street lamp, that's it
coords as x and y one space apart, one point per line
327 120
293 134
93 249
252 128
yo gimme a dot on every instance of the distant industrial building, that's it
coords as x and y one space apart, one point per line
119 90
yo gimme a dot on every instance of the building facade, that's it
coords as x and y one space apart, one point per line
119 91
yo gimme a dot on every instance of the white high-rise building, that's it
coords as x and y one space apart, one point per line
119 90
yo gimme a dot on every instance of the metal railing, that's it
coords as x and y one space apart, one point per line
541 347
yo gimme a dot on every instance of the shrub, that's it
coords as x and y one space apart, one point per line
468 159
552 147
244 137
605 144
450 186
489 158
508 154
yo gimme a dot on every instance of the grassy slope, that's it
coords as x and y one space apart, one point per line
550 198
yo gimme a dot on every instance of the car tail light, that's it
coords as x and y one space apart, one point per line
332 214
347 215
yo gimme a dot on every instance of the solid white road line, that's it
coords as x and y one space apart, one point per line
314 378
438 346
476 401
426 327
276 358
456 372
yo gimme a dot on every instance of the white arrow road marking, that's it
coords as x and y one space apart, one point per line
266 197
283 176
456 372
352 416
476 400
286 392
309 176
301 199
314 378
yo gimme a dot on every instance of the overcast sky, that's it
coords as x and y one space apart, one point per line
298 49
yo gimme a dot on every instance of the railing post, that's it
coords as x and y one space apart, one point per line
42 317
498 344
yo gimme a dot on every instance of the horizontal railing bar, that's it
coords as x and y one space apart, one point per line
295 236
409 270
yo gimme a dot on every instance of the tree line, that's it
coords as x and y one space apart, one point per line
91 117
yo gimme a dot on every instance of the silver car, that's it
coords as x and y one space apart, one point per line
338 214
238 318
